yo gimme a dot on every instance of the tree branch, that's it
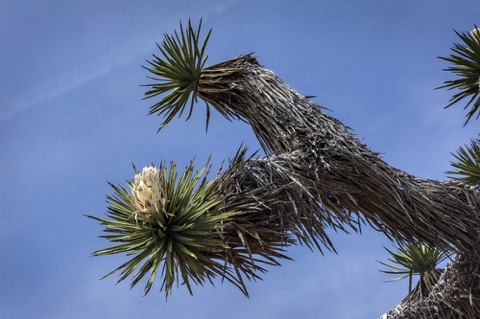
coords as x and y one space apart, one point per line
335 167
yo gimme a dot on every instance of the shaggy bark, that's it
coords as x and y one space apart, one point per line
456 295
328 164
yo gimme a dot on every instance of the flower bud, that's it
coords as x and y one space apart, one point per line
475 34
146 191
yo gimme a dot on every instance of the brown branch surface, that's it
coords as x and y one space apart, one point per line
342 174
321 175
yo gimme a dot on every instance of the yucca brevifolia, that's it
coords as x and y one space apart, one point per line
316 175
189 230
344 175
319 151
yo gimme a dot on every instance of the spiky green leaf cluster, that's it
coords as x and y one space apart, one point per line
465 65
413 259
467 166
177 72
176 240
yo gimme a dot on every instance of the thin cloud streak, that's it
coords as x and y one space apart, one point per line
82 74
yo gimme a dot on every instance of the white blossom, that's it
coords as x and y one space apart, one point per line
475 33
147 192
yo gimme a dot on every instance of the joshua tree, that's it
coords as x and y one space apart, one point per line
316 174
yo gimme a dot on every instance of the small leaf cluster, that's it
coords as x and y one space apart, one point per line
413 258
467 164
177 72
465 65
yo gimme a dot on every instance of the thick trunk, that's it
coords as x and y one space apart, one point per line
327 163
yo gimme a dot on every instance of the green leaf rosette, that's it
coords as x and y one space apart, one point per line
465 65
167 224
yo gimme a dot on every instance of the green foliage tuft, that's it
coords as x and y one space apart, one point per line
177 72
171 234
467 165
465 65
413 258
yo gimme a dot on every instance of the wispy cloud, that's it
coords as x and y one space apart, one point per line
73 78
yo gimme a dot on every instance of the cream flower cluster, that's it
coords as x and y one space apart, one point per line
475 33
147 192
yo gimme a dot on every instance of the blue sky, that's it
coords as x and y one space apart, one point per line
72 118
